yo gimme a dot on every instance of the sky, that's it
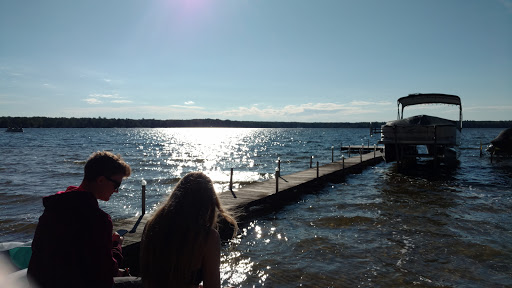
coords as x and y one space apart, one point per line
254 60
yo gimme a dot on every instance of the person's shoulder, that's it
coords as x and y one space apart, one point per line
213 237
72 199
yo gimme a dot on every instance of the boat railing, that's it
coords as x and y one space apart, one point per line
375 130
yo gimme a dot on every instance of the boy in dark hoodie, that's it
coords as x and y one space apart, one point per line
73 244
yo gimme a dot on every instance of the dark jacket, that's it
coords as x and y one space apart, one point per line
72 245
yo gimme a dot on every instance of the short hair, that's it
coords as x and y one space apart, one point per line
104 163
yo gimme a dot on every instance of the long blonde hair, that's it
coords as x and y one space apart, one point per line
175 237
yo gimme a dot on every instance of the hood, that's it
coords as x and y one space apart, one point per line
71 199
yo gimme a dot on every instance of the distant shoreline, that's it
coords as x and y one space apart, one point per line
100 122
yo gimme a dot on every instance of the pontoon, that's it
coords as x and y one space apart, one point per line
436 136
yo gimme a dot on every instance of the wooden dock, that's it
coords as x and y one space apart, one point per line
259 198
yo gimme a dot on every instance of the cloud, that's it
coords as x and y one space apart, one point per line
189 103
303 112
104 96
187 107
92 101
489 108
366 103
96 98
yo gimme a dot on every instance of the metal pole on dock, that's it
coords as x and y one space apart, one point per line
361 154
231 184
317 172
343 161
374 150
231 181
143 196
277 179
332 153
279 163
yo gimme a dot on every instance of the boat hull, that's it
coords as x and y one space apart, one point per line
13 129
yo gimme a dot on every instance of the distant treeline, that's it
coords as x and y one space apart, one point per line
61 122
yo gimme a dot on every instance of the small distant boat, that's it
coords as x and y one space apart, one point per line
402 137
14 129
501 145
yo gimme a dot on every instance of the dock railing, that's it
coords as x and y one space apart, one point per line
278 171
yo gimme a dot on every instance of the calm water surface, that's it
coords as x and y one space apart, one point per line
449 227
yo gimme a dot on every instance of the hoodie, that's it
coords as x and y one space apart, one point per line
72 245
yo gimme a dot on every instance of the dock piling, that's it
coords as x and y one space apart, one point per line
231 184
231 180
317 170
143 196
278 174
332 153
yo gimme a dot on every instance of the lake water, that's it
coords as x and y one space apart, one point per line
448 227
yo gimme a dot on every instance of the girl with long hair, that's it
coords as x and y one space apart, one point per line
180 244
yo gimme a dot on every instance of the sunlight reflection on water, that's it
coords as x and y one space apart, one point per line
171 153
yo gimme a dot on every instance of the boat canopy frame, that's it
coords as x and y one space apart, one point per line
429 98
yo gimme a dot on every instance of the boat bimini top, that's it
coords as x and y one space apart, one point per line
429 98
